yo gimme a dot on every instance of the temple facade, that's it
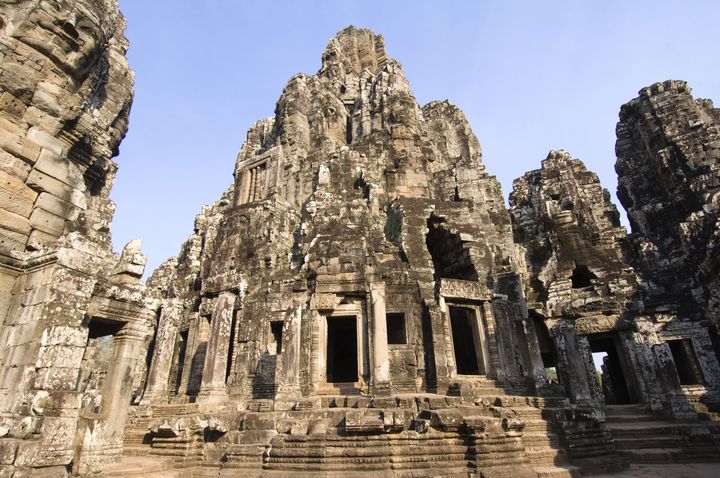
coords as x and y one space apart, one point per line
361 299
362 282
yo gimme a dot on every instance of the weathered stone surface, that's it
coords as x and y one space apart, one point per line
668 152
74 318
360 299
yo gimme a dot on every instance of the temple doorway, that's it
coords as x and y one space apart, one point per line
342 360
96 365
611 371
466 341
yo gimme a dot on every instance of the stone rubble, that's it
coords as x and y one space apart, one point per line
360 300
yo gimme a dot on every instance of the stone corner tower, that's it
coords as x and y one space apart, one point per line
73 315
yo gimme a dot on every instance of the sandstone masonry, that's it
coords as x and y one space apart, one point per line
73 315
360 300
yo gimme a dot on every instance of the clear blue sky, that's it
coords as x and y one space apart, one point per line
531 76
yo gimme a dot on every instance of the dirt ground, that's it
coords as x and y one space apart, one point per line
698 470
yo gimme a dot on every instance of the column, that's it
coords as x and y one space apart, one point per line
381 360
212 387
253 185
676 403
289 384
242 189
156 389
100 437
505 339
318 350
496 369
571 365
537 369
442 364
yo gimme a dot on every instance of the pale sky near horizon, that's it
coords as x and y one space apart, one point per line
531 76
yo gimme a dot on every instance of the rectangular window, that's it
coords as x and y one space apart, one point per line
396 328
276 329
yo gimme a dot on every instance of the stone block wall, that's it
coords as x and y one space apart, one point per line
65 95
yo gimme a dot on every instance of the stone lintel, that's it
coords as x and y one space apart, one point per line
464 290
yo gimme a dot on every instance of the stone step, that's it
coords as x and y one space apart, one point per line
320 451
546 457
130 466
132 450
631 418
169 410
647 442
565 471
647 429
671 455
547 402
536 426
541 439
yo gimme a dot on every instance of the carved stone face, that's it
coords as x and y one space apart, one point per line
70 34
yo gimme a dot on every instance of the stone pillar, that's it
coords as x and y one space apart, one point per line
571 365
99 439
156 388
496 370
442 365
504 318
212 388
585 352
537 369
289 386
676 403
381 360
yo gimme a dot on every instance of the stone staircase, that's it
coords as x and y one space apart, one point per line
261 447
137 467
136 429
136 438
407 454
542 438
644 438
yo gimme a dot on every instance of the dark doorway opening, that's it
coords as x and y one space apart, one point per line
715 340
610 370
342 363
276 328
468 354
686 362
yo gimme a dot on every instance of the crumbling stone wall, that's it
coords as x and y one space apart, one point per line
65 95
667 149
577 278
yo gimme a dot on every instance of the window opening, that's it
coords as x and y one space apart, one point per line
582 277
396 328
686 362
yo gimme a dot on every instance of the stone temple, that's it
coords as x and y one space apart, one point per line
361 301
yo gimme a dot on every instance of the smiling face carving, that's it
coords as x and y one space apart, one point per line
65 95
69 33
